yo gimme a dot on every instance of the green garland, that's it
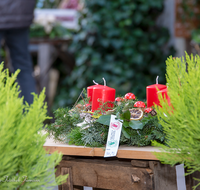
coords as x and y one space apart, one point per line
93 131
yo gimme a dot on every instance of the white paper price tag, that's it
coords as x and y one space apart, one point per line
114 133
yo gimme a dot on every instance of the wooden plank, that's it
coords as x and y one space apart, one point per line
87 151
58 172
109 175
140 163
144 153
69 184
190 181
164 176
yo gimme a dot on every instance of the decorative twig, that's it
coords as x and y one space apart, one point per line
77 99
83 99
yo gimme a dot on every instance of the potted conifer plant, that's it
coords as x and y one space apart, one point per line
181 119
23 160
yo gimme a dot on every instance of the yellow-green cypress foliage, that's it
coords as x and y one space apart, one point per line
23 161
181 120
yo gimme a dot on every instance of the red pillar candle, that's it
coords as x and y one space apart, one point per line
90 91
151 93
102 94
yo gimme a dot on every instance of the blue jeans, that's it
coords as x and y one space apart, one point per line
17 41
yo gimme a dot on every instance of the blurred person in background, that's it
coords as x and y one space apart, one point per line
15 18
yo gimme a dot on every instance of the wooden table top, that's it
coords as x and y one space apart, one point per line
128 152
55 41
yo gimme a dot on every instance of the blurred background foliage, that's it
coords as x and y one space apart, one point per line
120 41
46 26
57 31
47 4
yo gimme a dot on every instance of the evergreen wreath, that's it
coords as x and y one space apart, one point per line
80 126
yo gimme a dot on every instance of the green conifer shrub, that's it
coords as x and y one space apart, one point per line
23 160
181 120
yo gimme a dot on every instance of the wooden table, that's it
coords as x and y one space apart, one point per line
48 50
134 168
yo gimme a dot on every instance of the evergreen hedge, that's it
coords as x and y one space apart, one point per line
120 41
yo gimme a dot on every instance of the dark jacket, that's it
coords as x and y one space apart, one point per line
16 13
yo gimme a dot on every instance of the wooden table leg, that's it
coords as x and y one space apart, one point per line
69 184
164 176
46 57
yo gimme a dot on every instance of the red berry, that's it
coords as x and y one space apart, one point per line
129 96
147 110
139 104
